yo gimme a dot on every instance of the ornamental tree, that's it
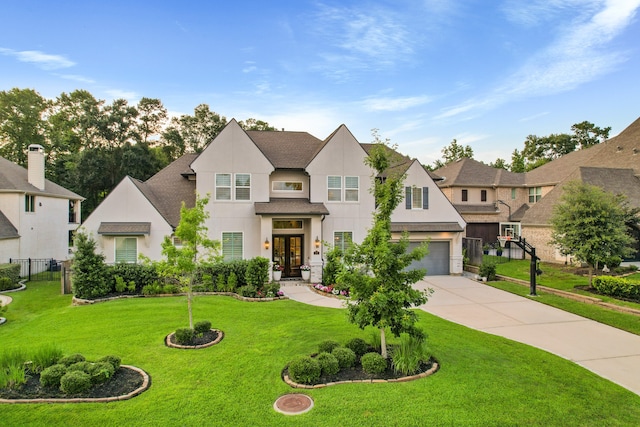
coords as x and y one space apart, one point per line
195 247
376 270
590 224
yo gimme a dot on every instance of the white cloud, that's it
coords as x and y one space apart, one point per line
394 104
118 94
40 59
76 78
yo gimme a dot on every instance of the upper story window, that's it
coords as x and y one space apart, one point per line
287 186
73 215
223 186
29 203
417 197
513 194
465 195
483 195
535 194
243 186
351 188
241 190
334 188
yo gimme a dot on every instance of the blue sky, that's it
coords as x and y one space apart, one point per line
487 73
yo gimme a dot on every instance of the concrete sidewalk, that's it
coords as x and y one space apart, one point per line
604 350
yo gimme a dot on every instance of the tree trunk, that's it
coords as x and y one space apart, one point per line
383 344
590 275
189 296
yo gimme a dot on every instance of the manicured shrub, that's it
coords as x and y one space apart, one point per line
618 287
11 271
333 266
304 370
327 346
80 366
50 377
408 356
6 284
184 336
202 327
221 283
74 382
248 291
232 282
113 360
257 273
373 363
71 359
271 289
328 363
488 270
358 345
100 372
90 276
44 357
346 357
135 276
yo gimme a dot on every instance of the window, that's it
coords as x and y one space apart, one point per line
223 186
465 195
243 186
334 188
417 197
287 224
73 217
29 203
342 239
286 186
351 188
232 245
483 195
535 194
513 194
126 249
177 242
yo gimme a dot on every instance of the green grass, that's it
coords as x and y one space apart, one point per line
484 380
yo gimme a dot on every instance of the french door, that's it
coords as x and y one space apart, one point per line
288 252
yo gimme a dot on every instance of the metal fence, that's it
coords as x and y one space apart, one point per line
38 269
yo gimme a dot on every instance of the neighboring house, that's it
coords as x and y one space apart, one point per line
497 202
279 195
37 216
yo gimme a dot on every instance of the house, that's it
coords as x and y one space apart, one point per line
279 195
495 202
37 216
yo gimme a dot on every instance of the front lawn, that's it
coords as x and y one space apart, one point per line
483 380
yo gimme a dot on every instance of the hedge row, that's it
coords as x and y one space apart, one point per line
618 287
9 276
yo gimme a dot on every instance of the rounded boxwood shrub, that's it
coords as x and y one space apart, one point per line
346 357
50 377
327 346
304 370
71 359
358 345
373 363
81 366
101 372
75 382
113 360
202 327
328 363
184 336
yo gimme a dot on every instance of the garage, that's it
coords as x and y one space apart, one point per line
436 262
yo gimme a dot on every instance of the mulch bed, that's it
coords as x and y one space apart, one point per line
124 381
206 338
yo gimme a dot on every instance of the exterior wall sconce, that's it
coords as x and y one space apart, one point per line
317 243
266 243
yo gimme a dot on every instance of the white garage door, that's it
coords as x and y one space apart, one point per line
436 262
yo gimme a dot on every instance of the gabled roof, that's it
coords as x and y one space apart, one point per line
7 230
472 173
286 149
14 178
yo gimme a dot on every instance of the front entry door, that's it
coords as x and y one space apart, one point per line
287 251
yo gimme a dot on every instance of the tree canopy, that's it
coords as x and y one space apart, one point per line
453 152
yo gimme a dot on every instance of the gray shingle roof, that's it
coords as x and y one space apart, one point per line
290 207
286 149
472 173
13 178
126 228
7 230
399 227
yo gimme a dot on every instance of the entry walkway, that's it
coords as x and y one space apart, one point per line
604 350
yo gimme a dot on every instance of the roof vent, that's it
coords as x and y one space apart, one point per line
635 151
619 148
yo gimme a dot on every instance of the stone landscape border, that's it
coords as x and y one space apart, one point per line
168 342
146 382
80 301
424 374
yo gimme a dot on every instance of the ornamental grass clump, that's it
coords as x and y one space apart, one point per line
304 370
410 354
44 357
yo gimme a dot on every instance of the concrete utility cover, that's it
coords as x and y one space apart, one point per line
293 404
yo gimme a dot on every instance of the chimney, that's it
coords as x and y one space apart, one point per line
35 166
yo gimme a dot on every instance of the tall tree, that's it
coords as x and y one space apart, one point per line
21 123
517 161
586 134
376 271
196 247
453 152
152 116
253 124
500 164
589 224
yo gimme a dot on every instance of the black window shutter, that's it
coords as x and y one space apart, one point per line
407 197
425 197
